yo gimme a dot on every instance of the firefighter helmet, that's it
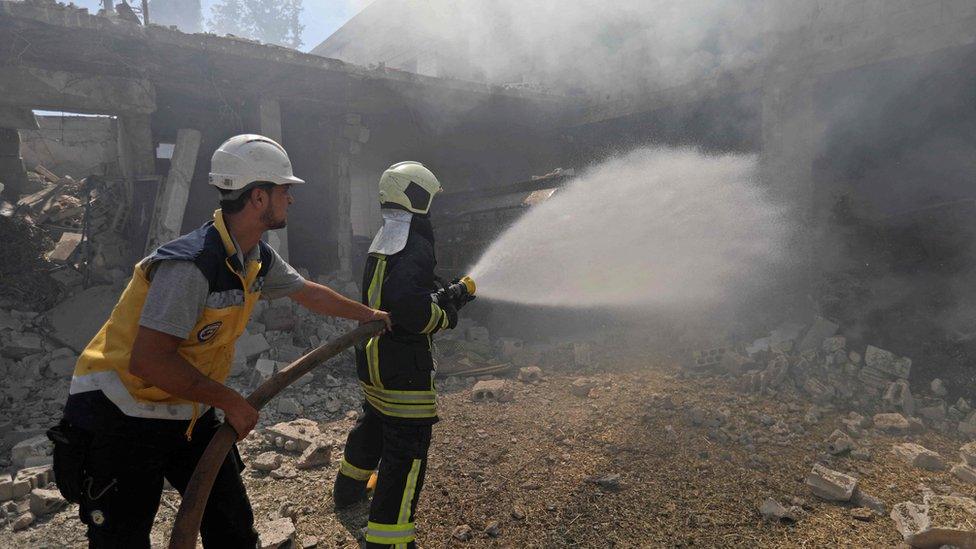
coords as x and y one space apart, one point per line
408 185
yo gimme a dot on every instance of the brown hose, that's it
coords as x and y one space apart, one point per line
194 502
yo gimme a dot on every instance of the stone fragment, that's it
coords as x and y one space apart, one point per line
492 389
919 456
493 529
284 472
290 406
939 521
302 431
861 454
938 388
267 461
44 502
39 445
965 473
968 453
530 374
839 443
894 424
462 533
582 386
22 345
318 454
831 485
20 487
609 481
834 344
23 521
863 499
6 487
887 362
932 409
862 513
277 534
250 345
773 511
263 370
898 398
280 318
967 427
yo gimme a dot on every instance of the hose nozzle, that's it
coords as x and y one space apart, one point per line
459 292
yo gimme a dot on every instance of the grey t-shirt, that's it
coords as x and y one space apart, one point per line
178 293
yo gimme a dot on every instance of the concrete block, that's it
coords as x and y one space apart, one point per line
898 398
289 406
919 456
530 374
894 424
251 345
37 446
6 487
581 387
302 431
44 502
887 362
61 367
831 485
319 454
814 337
839 443
267 461
23 345
494 389
939 521
938 388
77 319
277 534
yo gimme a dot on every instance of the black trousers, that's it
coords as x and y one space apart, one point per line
124 468
399 451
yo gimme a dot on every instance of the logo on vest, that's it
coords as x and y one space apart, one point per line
209 331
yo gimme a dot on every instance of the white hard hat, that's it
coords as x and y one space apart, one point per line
410 185
249 158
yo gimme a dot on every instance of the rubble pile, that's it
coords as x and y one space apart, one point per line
816 363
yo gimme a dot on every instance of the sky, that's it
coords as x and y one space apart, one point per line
320 17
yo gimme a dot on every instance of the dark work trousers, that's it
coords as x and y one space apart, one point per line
123 478
399 450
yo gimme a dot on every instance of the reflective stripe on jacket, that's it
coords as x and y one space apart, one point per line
104 364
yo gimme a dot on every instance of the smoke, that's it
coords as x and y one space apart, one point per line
600 47
654 227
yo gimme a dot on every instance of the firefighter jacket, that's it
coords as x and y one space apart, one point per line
396 369
234 290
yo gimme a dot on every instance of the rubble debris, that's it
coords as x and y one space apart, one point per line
36 446
968 453
581 387
318 454
530 374
276 534
44 502
839 443
891 423
919 456
707 358
462 533
289 406
267 461
734 363
493 389
864 499
898 398
23 521
887 362
300 432
939 521
962 471
76 320
250 345
609 481
937 386
831 485
773 511
818 332
493 530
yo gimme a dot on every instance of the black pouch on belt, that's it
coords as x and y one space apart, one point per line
70 449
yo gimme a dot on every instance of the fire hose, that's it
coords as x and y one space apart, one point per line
187 526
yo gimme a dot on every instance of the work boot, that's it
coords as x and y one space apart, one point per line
348 491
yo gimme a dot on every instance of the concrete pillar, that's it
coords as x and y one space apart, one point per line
175 190
269 120
136 153
12 173
352 136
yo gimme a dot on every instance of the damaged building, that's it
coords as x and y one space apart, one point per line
861 115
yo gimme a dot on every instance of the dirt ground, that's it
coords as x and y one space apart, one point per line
526 469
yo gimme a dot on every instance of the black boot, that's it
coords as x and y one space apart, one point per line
348 491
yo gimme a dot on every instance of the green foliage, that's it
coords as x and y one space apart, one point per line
270 21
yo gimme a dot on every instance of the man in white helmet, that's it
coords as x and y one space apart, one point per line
396 370
143 394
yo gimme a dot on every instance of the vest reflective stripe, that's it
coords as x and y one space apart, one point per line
387 534
402 410
375 295
353 472
110 384
401 397
409 491
436 316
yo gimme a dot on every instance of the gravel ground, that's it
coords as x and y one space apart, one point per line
525 473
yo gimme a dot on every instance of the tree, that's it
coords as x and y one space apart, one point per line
270 21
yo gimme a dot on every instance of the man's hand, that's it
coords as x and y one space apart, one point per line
376 314
241 416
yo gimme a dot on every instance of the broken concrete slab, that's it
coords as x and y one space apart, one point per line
44 502
839 443
894 424
302 431
277 534
267 461
939 521
863 499
64 248
319 454
919 456
887 362
249 345
493 389
898 398
76 320
961 471
530 374
23 345
290 406
932 409
39 445
773 511
831 485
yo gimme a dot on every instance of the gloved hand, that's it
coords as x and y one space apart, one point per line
463 299
452 315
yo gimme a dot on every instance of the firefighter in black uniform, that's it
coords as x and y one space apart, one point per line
396 370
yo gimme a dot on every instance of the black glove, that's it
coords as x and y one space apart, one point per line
451 311
463 299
